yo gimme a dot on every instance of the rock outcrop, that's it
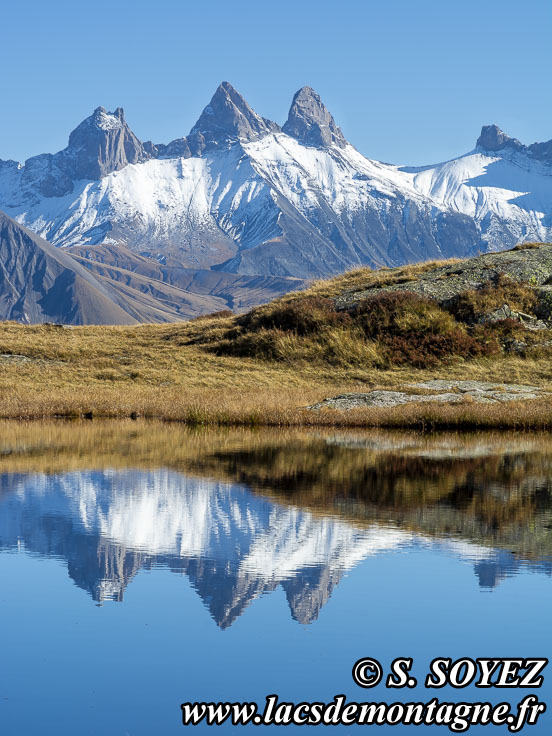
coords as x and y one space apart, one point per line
439 391
531 265
494 140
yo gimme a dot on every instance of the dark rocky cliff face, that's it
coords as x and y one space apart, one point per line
493 139
102 143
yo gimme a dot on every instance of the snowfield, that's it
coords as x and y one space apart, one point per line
511 189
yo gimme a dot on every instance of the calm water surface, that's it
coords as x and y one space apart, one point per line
142 566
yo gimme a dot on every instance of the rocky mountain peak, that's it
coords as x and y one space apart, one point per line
104 120
310 121
494 139
228 118
102 143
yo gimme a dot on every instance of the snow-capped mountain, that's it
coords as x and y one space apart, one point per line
243 195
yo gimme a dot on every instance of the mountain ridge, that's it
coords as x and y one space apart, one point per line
41 283
241 194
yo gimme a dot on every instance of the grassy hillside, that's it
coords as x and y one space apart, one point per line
266 366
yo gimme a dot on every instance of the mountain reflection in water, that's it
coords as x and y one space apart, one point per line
240 514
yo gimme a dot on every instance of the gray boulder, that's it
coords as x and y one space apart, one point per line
505 312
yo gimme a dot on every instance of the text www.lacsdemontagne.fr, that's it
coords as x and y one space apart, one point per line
458 717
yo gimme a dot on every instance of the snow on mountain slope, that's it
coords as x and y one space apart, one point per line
509 196
342 176
196 207
242 195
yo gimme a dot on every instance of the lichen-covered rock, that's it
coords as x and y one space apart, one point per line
446 392
532 266
497 315
475 387
518 347
383 398
505 312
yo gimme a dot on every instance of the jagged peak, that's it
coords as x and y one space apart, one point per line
102 143
228 117
310 121
101 120
492 138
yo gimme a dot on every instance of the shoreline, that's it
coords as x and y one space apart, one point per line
533 414
382 477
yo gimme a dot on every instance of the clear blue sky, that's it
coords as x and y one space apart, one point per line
409 81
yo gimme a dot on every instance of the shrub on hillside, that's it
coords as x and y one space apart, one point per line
414 330
429 349
303 316
391 327
400 313
470 306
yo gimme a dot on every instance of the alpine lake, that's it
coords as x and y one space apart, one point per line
146 565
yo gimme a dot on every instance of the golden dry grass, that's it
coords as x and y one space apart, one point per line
150 371
364 278
173 372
